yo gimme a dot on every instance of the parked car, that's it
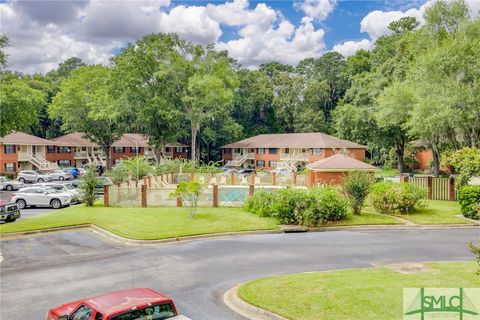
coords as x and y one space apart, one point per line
41 197
33 176
60 175
282 171
73 171
247 171
9 212
64 188
82 171
10 185
130 304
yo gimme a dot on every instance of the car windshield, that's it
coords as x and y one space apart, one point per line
40 173
52 190
157 312
69 187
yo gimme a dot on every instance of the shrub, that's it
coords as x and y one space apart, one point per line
469 199
299 206
465 161
88 189
329 205
118 173
475 250
357 185
138 167
260 203
396 198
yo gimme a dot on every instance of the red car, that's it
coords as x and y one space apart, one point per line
131 304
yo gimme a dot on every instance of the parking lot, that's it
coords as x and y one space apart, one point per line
25 213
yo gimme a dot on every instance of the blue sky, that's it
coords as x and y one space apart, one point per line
44 33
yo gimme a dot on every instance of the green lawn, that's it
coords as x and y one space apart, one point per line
352 294
148 223
387 173
366 218
435 212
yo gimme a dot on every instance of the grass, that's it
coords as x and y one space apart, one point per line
147 223
434 212
387 173
366 218
352 294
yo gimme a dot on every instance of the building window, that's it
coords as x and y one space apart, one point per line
51 149
227 151
64 163
10 166
260 163
272 150
237 150
272 164
119 149
9 148
63 149
179 149
135 150
316 151
261 151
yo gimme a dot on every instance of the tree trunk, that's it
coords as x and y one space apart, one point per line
194 145
436 162
400 151
108 159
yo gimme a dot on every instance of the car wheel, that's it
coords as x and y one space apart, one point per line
61 178
21 204
9 188
22 180
56 204
40 180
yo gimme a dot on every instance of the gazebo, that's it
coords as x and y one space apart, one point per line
331 170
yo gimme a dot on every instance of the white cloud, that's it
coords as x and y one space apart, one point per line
317 9
43 34
349 48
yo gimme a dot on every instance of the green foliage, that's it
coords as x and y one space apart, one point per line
137 167
357 185
85 104
3 56
299 206
465 161
88 189
118 173
476 251
20 105
396 198
469 199
190 193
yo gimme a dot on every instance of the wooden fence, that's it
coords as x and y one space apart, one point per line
437 188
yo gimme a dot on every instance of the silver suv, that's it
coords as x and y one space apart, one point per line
33 176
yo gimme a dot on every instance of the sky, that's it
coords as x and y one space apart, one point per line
42 34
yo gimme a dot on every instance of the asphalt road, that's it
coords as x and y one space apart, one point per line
40 272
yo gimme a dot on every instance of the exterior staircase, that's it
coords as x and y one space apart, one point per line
41 163
289 160
239 159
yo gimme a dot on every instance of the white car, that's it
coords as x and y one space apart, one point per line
64 188
9 185
282 171
33 176
41 197
60 175
82 171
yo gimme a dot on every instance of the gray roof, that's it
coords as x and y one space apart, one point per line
21 138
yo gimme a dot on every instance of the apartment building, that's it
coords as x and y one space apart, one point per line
287 150
21 151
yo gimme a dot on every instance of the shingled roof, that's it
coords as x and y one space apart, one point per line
340 162
21 138
77 139
295 140
137 139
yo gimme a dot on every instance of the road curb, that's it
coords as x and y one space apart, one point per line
124 240
249 311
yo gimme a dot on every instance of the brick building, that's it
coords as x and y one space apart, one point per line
288 150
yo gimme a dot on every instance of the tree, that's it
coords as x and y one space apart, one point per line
274 67
405 24
149 95
393 113
84 103
88 189
20 105
190 193
445 18
3 56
